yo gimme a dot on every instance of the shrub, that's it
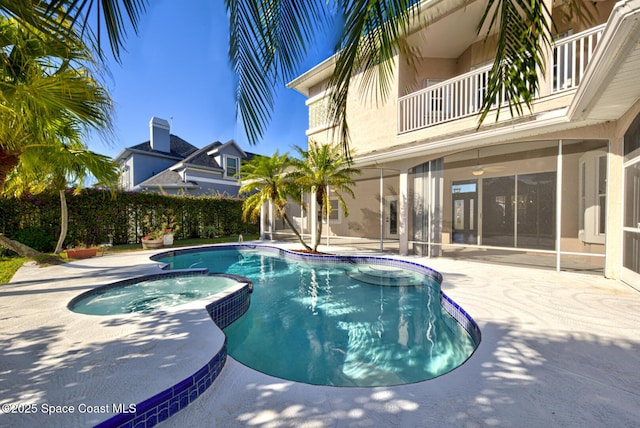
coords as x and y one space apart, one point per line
95 215
37 238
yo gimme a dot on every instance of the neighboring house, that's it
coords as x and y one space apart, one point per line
560 182
168 164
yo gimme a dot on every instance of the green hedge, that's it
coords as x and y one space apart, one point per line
95 215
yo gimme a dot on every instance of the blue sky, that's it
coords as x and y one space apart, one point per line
177 66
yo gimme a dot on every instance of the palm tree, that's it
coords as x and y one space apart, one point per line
320 168
48 96
44 80
266 179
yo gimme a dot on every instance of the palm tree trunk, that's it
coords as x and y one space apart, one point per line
286 219
26 251
319 229
64 221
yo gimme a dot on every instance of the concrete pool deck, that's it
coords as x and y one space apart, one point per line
558 349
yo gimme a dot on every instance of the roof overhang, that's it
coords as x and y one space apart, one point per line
540 124
218 149
610 87
430 12
170 186
124 154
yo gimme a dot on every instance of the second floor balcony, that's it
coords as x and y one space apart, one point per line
463 95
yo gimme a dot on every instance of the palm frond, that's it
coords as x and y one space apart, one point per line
267 41
114 15
524 34
373 33
49 100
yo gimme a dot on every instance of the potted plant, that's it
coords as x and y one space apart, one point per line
153 239
81 252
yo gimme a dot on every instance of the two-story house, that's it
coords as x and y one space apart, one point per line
168 164
556 186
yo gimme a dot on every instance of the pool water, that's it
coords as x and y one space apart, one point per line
336 324
149 295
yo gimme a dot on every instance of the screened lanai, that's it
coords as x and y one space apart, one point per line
503 203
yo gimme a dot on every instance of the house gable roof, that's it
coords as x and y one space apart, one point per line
224 148
202 158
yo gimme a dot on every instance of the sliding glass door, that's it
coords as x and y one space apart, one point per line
519 211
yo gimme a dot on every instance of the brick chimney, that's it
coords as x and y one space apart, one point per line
159 130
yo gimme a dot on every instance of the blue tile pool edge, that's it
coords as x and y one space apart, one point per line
165 404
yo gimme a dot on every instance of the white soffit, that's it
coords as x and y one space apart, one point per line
611 87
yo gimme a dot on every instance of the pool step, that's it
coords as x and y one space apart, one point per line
385 275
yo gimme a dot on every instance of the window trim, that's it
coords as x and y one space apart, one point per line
226 167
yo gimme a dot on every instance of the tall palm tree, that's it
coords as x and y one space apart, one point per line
44 79
319 169
267 179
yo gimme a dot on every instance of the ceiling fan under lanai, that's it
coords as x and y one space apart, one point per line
479 169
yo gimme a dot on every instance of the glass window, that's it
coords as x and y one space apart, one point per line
231 169
631 242
631 239
583 194
602 194
519 211
632 196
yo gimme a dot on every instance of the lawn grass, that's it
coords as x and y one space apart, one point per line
8 267
10 264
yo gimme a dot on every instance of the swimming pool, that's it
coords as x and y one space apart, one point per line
334 320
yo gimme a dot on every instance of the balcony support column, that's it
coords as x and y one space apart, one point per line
313 211
403 212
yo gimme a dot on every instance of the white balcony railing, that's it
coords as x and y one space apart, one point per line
463 95
571 55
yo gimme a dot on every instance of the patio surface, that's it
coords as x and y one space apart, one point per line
558 349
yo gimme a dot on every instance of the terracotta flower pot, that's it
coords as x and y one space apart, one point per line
81 253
